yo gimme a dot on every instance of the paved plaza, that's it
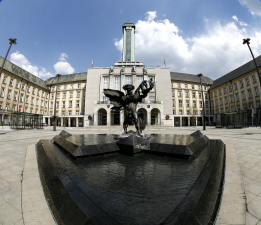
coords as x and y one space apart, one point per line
22 200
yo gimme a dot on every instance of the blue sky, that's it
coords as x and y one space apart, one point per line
193 36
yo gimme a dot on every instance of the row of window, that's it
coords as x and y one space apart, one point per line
77 105
189 112
237 108
187 94
23 87
128 80
186 86
65 113
64 95
241 85
65 87
194 103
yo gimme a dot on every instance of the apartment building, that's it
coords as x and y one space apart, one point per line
187 99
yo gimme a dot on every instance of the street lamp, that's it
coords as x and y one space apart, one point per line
55 117
246 41
203 114
12 41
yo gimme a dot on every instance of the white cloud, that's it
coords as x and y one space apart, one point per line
241 23
235 18
216 52
254 6
21 61
63 67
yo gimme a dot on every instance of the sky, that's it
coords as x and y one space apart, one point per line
192 36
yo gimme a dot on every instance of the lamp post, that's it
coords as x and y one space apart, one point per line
246 41
55 117
12 41
203 114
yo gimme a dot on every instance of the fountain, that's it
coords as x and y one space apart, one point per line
132 178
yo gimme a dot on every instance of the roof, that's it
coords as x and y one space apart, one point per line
190 78
128 24
18 71
240 71
67 78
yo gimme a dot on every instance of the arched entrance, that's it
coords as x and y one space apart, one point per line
155 117
142 113
102 117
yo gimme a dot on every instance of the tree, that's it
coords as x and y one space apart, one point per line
194 113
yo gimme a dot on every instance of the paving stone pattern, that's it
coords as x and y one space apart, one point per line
22 200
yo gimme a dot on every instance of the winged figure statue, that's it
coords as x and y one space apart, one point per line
129 101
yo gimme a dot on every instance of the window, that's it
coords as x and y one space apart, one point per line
192 86
26 99
225 99
256 91
71 86
28 89
79 85
71 94
58 88
180 103
1 105
220 101
128 79
117 80
64 95
180 112
206 96
78 94
70 104
2 92
38 93
254 79
172 85
45 104
200 104
179 86
105 99
231 98
257 104
70 113
32 101
22 87
11 82
51 105
186 86
193 94
51 113
58 95
106 81
201 112
173 112
63 104
198 87
9 94
249 93
230 88
77 113
179 94
65 87
173 94
205 88
207 112
187 94
194 104
188 112
52 88
42 94
241 85
216 102
199 95
187 103
22 97
33 91
242 94
225 90
15 96
77 104
152 98
215 94
212 103
220 93
37 101
173 102
235 86
247 81
206 103
57 105
4 80
52 96
211 95
42 103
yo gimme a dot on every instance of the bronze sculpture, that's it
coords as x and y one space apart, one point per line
129 102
